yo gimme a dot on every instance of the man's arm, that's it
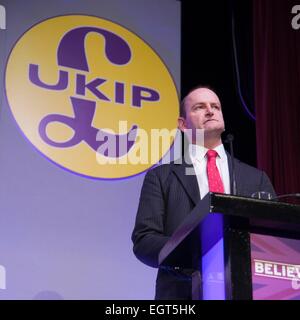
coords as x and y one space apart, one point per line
148 234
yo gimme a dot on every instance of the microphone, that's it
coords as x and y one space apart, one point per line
229 139
289 195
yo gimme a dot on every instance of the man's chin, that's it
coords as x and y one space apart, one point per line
213 133
212 129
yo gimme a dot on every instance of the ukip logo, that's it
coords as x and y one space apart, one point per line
73 79
71 54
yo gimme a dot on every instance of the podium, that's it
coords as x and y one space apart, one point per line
239 248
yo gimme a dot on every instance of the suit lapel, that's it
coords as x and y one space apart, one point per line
186 175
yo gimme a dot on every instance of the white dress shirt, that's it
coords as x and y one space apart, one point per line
199 160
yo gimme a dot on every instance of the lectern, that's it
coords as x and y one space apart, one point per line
240 248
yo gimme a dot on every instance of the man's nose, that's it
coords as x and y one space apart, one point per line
209 110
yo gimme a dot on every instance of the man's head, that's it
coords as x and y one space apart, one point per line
201 109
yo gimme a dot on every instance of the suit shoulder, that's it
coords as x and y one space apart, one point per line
160 170
163 174
246 168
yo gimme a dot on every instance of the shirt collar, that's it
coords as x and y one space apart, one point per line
199 152
221 152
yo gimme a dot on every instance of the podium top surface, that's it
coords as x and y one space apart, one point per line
255 208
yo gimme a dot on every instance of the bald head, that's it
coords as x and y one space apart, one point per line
202 110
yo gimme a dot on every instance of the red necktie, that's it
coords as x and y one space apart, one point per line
214 179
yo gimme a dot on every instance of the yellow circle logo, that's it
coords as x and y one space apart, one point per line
89 93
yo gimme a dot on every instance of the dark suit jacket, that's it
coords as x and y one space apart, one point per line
168 195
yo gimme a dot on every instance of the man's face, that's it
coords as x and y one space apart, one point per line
203 111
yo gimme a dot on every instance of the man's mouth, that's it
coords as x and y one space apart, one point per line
210 120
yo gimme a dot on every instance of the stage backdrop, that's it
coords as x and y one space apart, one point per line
76 74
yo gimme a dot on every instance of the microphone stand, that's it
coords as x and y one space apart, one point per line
229 139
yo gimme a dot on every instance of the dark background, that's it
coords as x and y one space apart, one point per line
208 58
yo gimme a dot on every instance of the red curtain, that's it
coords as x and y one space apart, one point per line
277 92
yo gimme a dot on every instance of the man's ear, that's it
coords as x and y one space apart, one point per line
181 124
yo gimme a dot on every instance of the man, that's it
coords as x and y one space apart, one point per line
169 194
